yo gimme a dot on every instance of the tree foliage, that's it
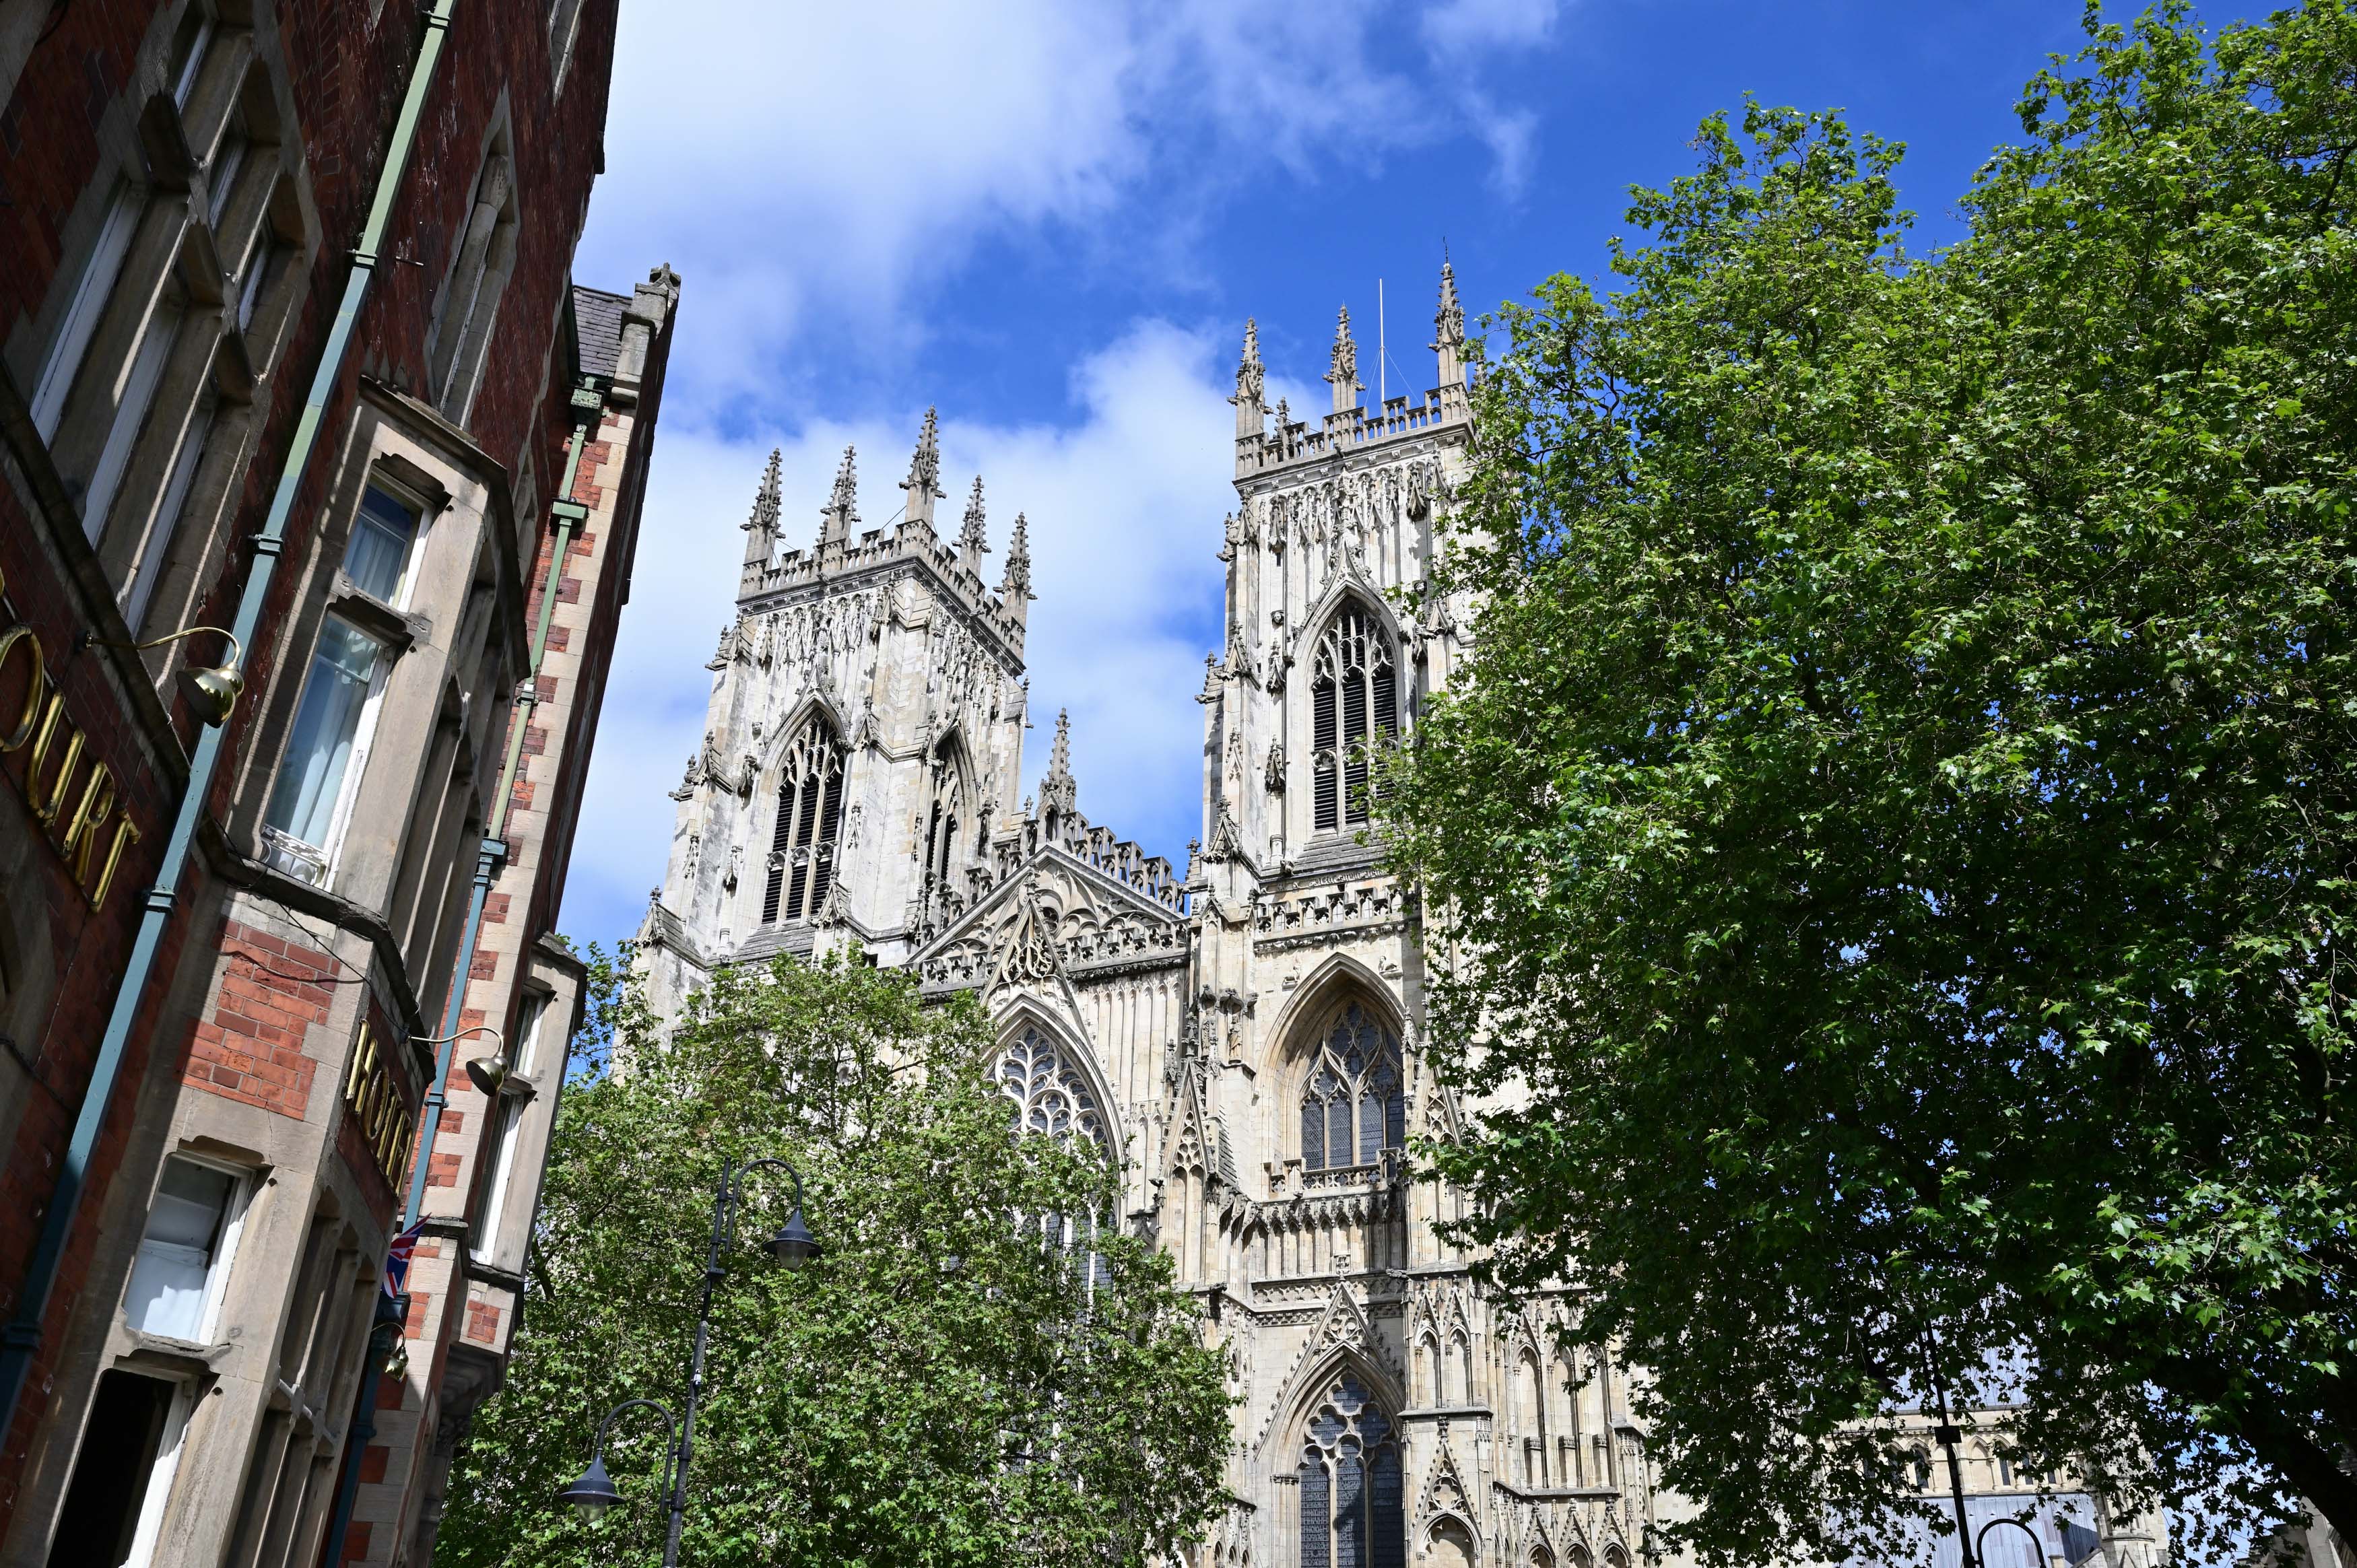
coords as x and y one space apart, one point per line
1892 836
949 1384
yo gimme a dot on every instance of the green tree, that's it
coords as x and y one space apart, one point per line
1892 839
950 1384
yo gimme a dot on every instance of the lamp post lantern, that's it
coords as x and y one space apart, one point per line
792 1246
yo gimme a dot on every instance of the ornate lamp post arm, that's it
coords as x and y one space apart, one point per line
594 1493
1980 1541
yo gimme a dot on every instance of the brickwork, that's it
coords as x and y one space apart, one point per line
250 1048
244 1032
473 1300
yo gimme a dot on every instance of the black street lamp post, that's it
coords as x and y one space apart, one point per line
1949 1438
794 1246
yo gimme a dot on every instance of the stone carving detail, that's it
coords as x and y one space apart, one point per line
1076 925
1027 949
1342 518
1051 1095
1249 373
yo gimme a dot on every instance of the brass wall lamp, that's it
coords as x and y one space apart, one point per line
213 690
488 1074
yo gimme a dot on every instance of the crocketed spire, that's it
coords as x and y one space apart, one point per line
842 508
1015 585
972 544
1057 791
761 528
1251 384
923 484
1449 326
1344 374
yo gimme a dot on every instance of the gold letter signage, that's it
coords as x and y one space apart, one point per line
77 806
379 1102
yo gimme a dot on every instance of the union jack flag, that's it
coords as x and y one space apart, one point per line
396 1259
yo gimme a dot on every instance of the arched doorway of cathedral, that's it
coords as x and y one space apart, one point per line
1542 1558
1449 1545
1349 1470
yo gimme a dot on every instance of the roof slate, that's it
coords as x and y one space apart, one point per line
598 317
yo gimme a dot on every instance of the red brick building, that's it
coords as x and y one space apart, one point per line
420 519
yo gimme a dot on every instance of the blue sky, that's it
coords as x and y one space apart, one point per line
1050 219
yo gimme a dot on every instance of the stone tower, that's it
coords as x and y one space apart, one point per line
1246 1041
863 739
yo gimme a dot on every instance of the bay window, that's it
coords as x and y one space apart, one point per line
327 748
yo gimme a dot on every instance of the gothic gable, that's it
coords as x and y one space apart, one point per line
1343 1340
1057 918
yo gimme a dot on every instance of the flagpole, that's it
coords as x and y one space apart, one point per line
1383 353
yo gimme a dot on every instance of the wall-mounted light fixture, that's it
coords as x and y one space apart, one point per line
213 690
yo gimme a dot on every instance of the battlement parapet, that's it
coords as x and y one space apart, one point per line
1287 445
879 550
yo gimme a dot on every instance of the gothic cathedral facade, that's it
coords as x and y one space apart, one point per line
1246 1036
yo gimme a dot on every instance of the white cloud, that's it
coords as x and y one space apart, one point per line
819 179
1461 27
1125 510
833 159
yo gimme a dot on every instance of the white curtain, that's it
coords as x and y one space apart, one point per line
379 552
343 668
166 1294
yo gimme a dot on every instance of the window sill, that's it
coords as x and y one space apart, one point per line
181 1357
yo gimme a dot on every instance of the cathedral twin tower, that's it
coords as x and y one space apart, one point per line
1243 1036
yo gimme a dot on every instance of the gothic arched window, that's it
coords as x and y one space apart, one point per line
1354 1106
810 814
1050 1093
1353 704
1351 1510
949 808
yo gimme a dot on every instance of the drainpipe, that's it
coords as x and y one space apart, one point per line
587 404
21 1339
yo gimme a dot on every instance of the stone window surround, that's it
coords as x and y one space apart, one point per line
463 517
482 257
509 1231
157 148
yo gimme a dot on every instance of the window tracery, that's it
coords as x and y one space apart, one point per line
1351 1514
1050 1093
1353 1105
809 819
1354 705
